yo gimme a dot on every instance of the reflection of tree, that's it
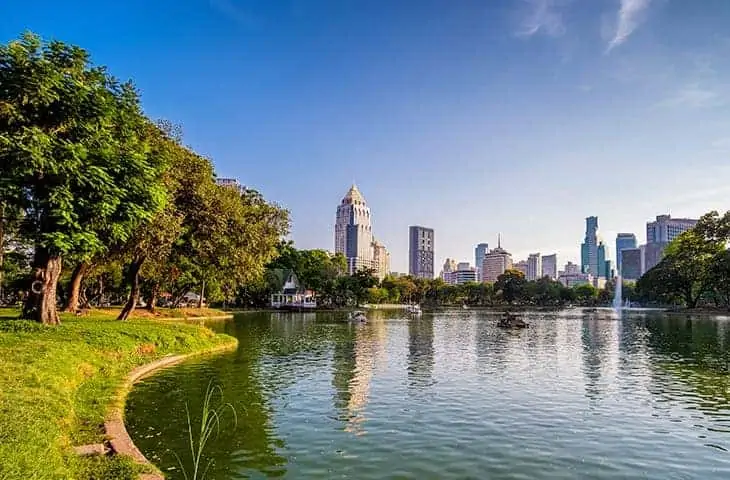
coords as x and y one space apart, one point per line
156 411
420 351
693 351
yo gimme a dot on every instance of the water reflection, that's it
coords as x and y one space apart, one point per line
420 351
573 396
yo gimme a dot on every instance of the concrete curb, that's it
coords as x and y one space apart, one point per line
116 432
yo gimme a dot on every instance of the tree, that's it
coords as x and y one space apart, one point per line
719 276
585 293
71 159
512 285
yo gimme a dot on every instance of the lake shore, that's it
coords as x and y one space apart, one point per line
58 386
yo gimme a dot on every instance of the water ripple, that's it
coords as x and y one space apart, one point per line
452 396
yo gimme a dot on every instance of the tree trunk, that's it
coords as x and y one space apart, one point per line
133 279
153 297
2 248
40 305
74 287
202 292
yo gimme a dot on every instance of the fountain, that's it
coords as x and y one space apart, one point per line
618 301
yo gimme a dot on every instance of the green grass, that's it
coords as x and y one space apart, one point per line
57 385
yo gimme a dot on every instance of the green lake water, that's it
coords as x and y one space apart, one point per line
450 395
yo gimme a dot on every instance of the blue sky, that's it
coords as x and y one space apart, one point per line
473 117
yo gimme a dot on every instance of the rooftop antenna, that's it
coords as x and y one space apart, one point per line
499 240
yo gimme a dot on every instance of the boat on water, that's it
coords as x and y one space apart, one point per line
509 320
357 316
414 309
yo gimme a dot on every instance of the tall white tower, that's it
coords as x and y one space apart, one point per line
353 231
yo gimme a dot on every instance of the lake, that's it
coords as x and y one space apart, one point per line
449 395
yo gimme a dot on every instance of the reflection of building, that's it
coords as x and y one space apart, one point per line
420 252
479 252
550 266
369 347
495 263
534 266
420 351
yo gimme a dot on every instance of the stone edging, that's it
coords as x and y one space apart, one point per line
114 428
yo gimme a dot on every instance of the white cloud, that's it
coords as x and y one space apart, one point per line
630 15
694 96
542 16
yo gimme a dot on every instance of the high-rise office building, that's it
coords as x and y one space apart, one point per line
353 231
665 228
631 264
479 252
521 266
658 235
420 252
589 247
465 273
495 263
534 266
230 183
623 241
604 265
550 266
448 273
571 268
381 260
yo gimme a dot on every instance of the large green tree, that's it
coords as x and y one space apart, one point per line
71 158
511 284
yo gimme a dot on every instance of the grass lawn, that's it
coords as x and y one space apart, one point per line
57 385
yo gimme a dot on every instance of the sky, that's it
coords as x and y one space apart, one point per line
473 117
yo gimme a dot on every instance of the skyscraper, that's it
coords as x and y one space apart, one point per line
448 274
520 266
495 263
631 264
534 266
589 247
658 235
623 241
550 266
381 260
665 228
353 231
420 252
603 267
479 253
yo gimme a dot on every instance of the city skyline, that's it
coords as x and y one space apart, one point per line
515 103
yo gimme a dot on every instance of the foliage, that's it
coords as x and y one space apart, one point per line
61 397
73 157
693 268
511 285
